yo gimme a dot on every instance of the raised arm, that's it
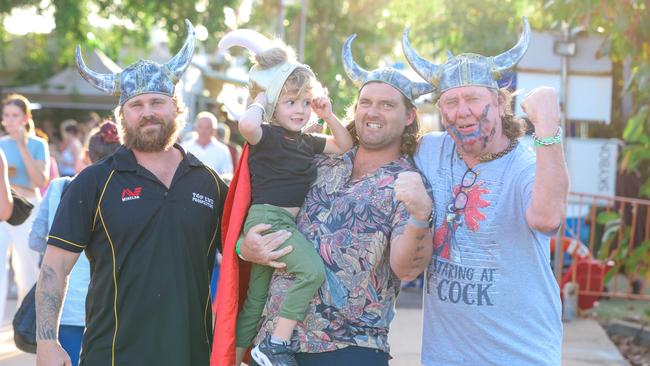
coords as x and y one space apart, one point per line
411 249
341 140
50 289
250 124
551 185
37 170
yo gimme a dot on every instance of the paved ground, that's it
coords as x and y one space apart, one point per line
585 342
9 354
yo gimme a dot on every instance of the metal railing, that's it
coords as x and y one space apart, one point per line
606 242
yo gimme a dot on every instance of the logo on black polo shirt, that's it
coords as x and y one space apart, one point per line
205 201
128 195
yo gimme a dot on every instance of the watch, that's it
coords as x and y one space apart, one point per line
422 224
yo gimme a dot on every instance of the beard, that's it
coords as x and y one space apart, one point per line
151 140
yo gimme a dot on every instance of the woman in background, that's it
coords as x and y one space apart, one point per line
28 170
70 149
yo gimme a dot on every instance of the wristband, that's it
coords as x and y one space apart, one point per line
258 105
548 141
422 224
238 249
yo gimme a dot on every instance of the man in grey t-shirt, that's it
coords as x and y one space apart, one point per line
490 296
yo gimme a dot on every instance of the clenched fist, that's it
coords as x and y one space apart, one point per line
409 188
541 106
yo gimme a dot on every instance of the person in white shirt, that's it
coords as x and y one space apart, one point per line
207 148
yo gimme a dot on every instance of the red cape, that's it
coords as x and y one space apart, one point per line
234 274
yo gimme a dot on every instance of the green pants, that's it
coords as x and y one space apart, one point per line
302 261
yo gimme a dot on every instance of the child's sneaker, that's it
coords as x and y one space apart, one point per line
271 354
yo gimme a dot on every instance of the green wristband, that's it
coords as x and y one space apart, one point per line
237 247
548 141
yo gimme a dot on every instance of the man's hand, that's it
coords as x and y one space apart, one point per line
409 189
50 353
261 248
541 106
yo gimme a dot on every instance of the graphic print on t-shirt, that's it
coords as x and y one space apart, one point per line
454 275
444 241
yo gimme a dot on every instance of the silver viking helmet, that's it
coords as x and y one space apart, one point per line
360 77
143 76
468 68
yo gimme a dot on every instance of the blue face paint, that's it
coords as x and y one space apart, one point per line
472 137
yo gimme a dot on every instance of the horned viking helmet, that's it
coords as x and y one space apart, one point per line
360 77
468 68
144 76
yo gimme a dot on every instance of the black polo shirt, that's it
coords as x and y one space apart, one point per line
151 252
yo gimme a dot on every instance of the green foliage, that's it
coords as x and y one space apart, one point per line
626 26
477 26
132 20
485 26
615 245
329 23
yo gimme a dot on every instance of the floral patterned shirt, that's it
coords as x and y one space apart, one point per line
351 224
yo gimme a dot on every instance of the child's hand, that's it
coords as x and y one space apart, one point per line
322 107
261 98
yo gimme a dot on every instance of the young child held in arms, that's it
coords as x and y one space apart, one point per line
281 169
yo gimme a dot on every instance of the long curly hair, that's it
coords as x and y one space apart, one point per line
513 127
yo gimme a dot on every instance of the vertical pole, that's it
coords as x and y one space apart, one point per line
303 29
280 26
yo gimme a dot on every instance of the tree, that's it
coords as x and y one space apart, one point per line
626 26
482 26
132 20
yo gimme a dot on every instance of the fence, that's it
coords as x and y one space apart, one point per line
606 246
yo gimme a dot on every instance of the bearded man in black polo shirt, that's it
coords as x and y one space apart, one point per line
147 217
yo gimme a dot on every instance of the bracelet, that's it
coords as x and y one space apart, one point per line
421 224
238 249
320 121
258 105
548 141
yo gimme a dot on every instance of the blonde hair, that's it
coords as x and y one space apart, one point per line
301 80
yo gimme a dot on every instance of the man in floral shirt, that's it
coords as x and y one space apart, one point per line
368 215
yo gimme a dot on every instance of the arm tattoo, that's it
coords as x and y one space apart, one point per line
48 304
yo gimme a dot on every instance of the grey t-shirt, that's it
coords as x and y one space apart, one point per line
490 296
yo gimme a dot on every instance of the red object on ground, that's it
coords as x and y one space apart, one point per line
588 280
234 274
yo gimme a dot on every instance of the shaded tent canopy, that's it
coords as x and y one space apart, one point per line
68 90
